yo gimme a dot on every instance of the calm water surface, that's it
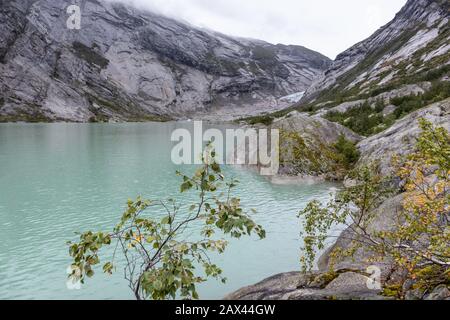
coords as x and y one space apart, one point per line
56 179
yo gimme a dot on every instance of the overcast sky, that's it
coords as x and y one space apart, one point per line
328 26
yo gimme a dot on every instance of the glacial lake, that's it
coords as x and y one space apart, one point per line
57 179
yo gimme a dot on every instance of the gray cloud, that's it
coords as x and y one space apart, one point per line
328 26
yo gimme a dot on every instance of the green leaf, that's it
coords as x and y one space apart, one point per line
166 220
108 267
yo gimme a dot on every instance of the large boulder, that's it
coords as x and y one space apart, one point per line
441 292
347 285
306 145
314 128
307 153
272 288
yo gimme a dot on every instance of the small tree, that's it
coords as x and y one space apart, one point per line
352 208
419 244
347 151
162 254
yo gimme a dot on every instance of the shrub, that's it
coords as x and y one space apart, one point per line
348 150
361 119
365 120
162 254
266 120
418 244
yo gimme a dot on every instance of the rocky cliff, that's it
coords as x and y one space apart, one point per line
402 67
127 64
307 146
349 277
388 81
402 136
413 47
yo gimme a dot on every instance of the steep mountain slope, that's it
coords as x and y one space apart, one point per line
380 87
127 64
411 49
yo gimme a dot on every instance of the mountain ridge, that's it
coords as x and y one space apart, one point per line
419 23
402 67
126 64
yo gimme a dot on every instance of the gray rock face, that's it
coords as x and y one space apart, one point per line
298 286
351 282
415 41
307 153
127 64
385 97
315 128
384 220
388 110
442 292
272 288
313 138
401 137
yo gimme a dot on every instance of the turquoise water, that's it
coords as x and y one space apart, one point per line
56 179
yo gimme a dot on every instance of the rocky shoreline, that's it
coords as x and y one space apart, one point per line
345 285
350 276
